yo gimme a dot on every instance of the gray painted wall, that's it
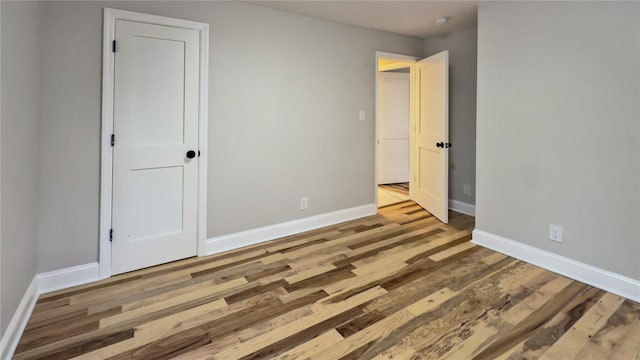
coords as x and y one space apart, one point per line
285 91
462 46
20 92
559 128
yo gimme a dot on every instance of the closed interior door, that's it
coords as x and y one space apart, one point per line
155 170
431 183
393 127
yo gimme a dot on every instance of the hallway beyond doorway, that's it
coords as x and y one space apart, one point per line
392 193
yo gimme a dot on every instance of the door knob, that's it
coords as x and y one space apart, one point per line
448 145
191 154
440 144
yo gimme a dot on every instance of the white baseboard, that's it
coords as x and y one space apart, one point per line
42 283
254 236
588 274
68 277
83 274
18 322
462 207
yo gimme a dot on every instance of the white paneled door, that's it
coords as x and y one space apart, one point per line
155 145
431 146
393 127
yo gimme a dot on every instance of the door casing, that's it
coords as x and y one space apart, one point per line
106 166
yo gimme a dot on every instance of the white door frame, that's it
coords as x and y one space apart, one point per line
402 58
106 168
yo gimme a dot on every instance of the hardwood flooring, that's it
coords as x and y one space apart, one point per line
402 188
392 193
398 285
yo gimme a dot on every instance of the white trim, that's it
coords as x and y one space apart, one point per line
462 207
83 274
40 284
594 276
106 152
106 183
255 236
18 322
68 277
409 60
203 141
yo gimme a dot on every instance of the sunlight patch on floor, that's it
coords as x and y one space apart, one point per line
387 197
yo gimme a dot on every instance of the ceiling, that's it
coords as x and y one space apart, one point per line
412 18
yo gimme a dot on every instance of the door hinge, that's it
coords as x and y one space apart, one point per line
113 46
110 234
113 139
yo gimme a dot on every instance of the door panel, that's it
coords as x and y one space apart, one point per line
432 127
156 84
393 126
158 114
159 192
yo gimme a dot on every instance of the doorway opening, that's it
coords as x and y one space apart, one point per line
412 131
393 115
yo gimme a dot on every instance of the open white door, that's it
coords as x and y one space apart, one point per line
155 152
430 182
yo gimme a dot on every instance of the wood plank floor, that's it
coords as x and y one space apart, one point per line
398 285
389 194
402 188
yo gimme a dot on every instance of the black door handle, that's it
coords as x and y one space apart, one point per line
191 154
448 145
440 144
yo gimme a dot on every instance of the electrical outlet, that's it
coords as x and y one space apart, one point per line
362 116
466 189
555 233
304 203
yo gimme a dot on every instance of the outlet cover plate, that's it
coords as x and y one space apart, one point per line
555 233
